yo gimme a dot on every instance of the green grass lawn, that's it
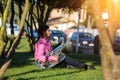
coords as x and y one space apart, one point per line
24 68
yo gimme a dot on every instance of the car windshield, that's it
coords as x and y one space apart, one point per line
85 35
82 35
56 32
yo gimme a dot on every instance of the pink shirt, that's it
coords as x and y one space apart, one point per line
42 47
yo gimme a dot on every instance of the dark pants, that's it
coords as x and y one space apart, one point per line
73 63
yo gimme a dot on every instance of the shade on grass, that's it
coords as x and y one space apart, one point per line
23 68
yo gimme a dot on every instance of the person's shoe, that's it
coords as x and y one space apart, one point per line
89 67
69 66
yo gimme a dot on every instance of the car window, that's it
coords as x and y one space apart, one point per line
85 35
56 32
15 27
74 36
81 35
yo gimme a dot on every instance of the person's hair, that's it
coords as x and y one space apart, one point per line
43 29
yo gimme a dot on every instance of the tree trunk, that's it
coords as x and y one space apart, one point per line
116 68
14 45
12 24
3 36
1 7
110 62
114 19
4 67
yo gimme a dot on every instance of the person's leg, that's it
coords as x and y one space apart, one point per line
76 64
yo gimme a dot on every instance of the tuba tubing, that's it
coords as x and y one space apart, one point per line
57 49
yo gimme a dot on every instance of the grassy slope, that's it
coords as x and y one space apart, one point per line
23 68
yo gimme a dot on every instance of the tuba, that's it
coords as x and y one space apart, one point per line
58 52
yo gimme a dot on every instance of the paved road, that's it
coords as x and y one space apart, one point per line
86 50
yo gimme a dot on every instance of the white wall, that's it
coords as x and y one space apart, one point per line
16 29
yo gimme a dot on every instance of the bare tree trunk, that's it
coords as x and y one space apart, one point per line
110 62
3 36
14 45
104 39
114 14
11 24
43 12
116 68
29 29
1 7
4 67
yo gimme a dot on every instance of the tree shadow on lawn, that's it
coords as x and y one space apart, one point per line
27 72
44 76
61 74
6 78
27 58
21 59
89 58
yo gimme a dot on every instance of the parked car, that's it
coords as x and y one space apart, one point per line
56 34
85 39
97 45
116 45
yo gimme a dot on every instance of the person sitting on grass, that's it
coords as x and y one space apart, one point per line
43 46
